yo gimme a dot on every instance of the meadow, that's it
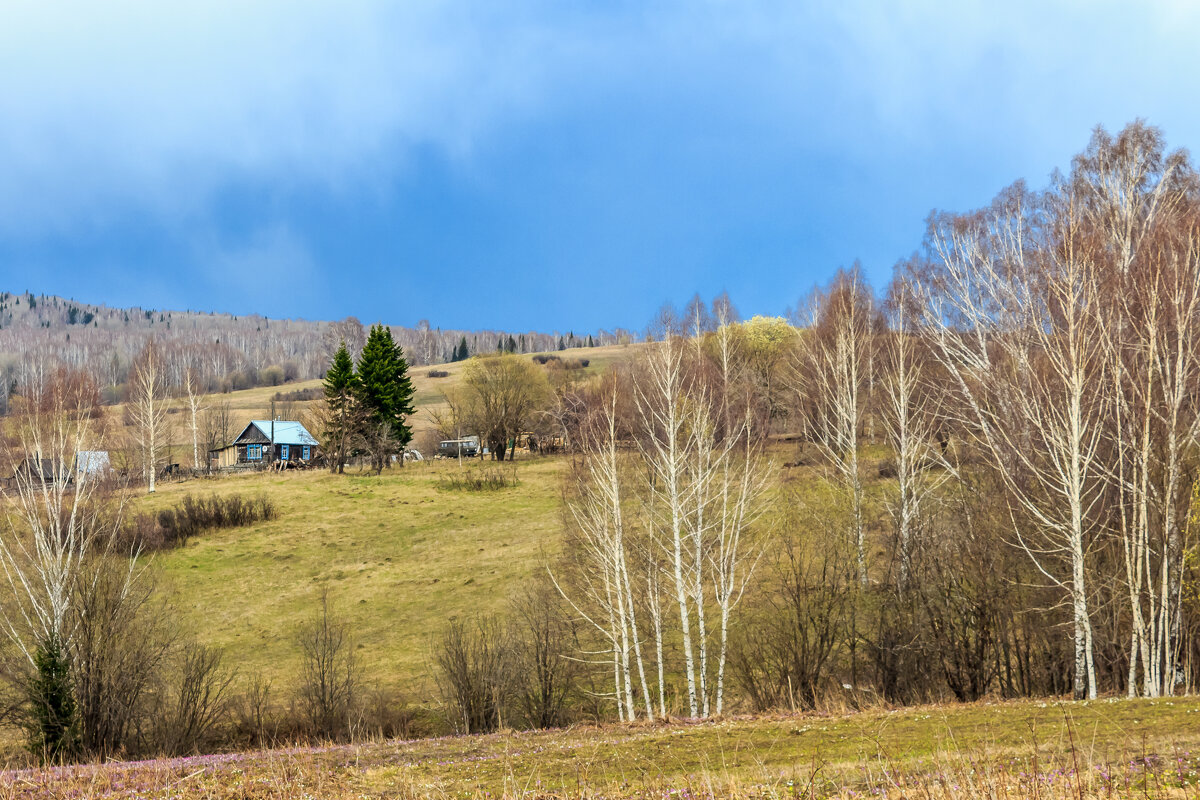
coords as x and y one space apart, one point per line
399 555
1108 748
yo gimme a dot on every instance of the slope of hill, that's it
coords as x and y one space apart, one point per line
400 553
227 351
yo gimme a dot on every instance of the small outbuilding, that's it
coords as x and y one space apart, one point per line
38 472
265 441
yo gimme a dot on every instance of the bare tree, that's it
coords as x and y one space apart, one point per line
330 671
194 395
831 378
1011 312
148 407
59 521
910 410
601 543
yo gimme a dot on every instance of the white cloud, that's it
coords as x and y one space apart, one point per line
136 107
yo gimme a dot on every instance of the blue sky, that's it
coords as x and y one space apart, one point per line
537 165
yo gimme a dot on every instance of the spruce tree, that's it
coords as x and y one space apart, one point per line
54 724
340 384
385 392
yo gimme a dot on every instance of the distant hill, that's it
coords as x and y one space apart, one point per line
230 352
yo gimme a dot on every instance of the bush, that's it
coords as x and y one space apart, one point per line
199 701
475 662
438 373
172 527
486 479
300 395
271 376
329 686
544 358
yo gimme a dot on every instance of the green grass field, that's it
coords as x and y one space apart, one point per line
398 554
1113 748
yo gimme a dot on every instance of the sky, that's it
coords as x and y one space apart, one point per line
558 165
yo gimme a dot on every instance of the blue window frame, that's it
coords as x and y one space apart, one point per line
304 453
254 452
283 452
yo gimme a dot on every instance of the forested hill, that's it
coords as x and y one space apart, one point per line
226 350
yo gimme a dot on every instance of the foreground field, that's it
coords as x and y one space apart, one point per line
1026 749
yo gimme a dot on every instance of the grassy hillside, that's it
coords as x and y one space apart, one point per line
1120 748
248 404
398 553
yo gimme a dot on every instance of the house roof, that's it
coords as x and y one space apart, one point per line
92 461
286 432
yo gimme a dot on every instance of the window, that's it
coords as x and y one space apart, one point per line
283 452
254 452
304 453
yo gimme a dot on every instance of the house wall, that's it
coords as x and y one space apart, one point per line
295 454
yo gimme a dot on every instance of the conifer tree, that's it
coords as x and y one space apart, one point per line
340 423
385 392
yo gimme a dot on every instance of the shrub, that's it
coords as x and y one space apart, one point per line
300 395
486 479
329 686
438 373
271 376
172 527
475 663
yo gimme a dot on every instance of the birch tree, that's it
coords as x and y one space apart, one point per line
832 378
193 394
148 408
910 412
606 583
1140 204
1010 310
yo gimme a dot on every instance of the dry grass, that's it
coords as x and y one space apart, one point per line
248 404
1046 750
399 554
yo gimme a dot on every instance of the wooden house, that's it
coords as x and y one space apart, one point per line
265 442
37 472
